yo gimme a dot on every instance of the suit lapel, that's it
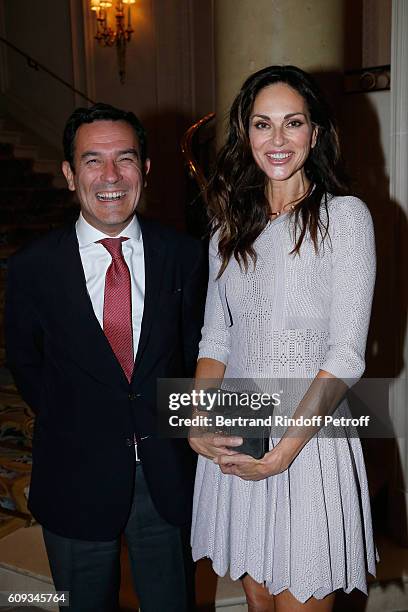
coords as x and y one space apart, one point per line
154 251
91 347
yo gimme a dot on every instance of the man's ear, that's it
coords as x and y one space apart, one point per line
146 170
69 175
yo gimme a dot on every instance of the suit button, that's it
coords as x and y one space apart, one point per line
133 396
129 442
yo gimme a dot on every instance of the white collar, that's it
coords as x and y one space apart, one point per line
87 234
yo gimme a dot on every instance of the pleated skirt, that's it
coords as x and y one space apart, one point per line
307 529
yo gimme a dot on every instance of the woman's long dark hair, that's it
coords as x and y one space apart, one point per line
236 195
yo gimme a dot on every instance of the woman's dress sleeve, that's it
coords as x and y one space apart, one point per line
215 340
353 276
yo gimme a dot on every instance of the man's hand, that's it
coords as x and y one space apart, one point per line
212 445
248 468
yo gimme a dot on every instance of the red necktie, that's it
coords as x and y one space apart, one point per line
117 306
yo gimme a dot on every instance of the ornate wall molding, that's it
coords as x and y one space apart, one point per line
366 80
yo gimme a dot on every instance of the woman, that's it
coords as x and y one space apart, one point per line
292 267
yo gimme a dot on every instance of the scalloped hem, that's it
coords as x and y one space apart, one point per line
319 593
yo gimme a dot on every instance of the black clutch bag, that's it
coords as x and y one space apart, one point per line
255 438
256 447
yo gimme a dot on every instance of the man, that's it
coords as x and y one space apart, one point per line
95 313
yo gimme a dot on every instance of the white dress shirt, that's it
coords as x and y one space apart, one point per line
96 260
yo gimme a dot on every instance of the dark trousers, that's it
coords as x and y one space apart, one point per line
160 558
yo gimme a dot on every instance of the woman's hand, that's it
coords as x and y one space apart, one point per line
209 374
213 445
248 468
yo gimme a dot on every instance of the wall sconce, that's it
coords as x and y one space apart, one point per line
121 35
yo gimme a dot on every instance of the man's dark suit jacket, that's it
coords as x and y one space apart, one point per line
86 411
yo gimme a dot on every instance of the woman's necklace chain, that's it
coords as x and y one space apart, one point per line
293 206
276 214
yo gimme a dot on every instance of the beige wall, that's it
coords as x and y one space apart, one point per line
251 35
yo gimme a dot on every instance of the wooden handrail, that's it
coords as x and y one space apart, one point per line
187 150
37 66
